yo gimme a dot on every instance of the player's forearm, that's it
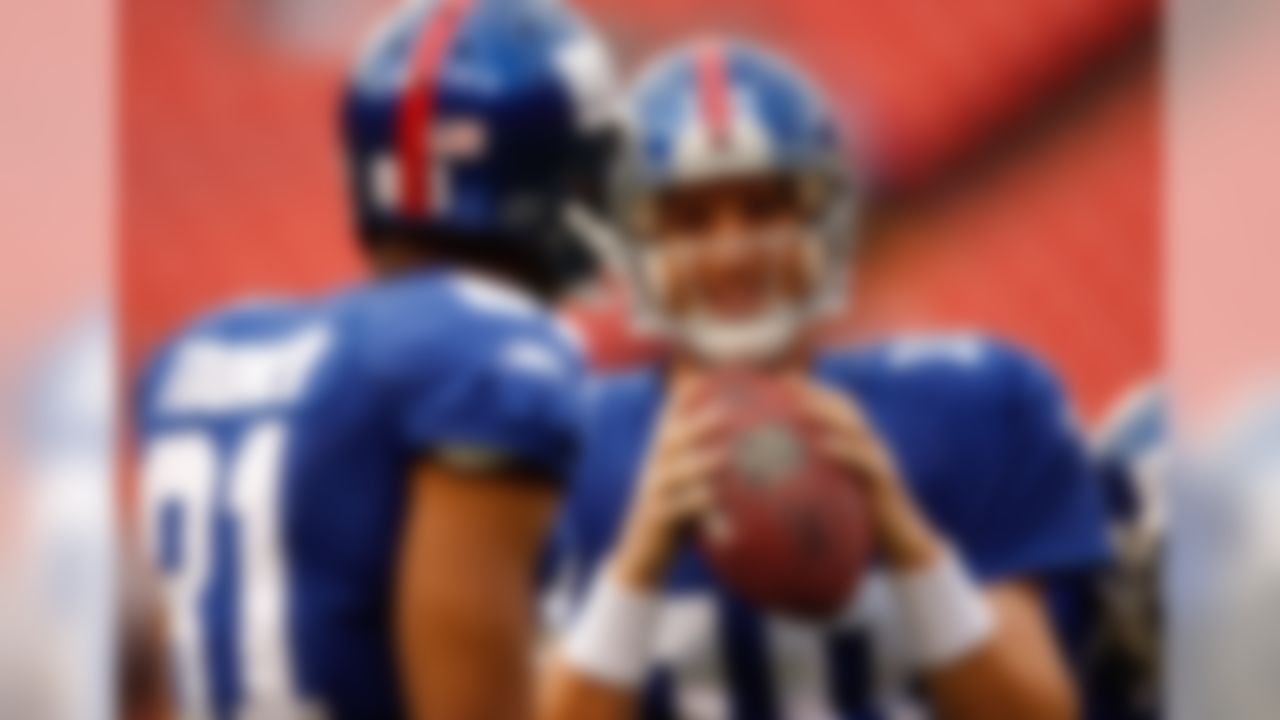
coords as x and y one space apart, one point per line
1015 673
604 657
985 654
566 693
1002 680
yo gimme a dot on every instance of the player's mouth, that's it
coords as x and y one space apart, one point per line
739 301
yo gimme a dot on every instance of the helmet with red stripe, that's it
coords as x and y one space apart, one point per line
724 111
473 123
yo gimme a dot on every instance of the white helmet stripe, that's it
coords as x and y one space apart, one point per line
721 135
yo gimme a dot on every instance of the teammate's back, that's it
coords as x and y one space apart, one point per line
279 437
346 496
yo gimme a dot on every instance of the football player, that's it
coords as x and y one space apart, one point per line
346 495
1114 615
734 216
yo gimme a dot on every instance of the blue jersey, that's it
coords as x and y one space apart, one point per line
988 449
278 439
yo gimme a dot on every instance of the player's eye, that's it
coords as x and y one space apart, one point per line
769 203
684 218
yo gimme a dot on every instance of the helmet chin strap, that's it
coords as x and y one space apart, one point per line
759 339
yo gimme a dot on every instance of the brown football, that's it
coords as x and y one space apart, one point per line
797 536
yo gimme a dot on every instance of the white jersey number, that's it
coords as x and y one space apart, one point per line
181 476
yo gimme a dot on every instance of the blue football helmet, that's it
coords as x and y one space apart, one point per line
475 122
725 109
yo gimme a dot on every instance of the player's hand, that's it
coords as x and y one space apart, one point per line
902 532
674 493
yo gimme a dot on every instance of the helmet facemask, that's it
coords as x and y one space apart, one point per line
803 278
704 122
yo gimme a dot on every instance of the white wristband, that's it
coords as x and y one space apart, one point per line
611 639
946 614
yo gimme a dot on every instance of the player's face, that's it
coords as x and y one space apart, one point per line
731 251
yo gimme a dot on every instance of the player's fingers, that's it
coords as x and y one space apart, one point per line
691 500
699 508
685 390
816 397
716 526
845 450
687 497
695 467
678 503
866 457
674 471
828 407
693 429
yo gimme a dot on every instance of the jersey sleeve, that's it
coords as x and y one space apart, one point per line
515 400
1041 511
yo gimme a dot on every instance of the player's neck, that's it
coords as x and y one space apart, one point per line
393 260
396 260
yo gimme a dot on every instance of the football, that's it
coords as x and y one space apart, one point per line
795 536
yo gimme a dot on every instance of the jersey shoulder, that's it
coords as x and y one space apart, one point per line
455 321
629 391
987 441
619 413
177 374
958 373
464 364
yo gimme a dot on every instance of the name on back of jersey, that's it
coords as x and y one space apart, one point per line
213 376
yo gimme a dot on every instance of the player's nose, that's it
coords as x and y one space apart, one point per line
727 234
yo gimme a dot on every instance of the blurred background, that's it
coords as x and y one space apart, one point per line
1032 174
1012 149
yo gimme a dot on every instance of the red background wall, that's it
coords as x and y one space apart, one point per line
1014 145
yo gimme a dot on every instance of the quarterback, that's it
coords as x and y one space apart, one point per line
345 495
733 214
